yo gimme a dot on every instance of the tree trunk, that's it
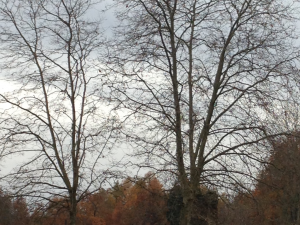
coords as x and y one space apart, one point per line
199 208
186 211
72 217
73 209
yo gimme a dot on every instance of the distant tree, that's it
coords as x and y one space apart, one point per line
241 209
13 211
278 189
52 121
6 209
20 212
97 208
143 203
275 199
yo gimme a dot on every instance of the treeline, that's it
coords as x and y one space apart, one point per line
143 201
140 202
275 200
13 211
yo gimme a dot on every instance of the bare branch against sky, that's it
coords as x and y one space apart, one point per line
53 119
195 78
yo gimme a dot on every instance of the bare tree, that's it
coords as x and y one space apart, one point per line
52 122
195 79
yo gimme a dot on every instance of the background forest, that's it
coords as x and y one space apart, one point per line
144 201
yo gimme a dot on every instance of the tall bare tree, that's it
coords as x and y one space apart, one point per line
52 122
195 79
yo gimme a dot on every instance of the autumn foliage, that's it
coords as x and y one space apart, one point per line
13 211
276 197
275 200
139 202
